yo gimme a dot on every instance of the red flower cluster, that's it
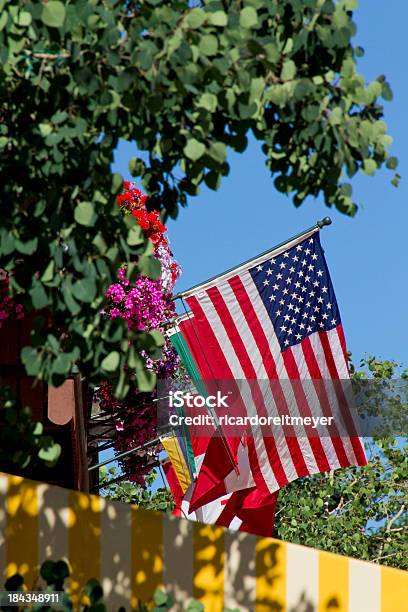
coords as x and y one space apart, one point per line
133 202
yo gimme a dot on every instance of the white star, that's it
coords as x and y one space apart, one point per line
297 309
286 317
311 240
288 280
282 302
316 284
286 254
308 304
328 306
320 300
304 262
301 299
272 262
299 247
314 256
303 289
312 294
313 318
290 332
275 287
321 324
291 307
325 316
324 289
298 337
291 270
297 285
279 276
272 298
285 291
300 273
282 265
320 273
308 251
286 342
308 328
310 268
316 309
266 282
295 258
302 326
259 268
278 313
293 320
283 327
304 315
269 272
294 296
333 321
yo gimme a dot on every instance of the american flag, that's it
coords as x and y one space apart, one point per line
277 319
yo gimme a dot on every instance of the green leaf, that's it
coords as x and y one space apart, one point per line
136 166
392 163
218 151
208 101
24 19
208 45
39 297
48 273
218 18
28 247
248 17
149 266
84 213
146 380
50 454
111 362
84 290
135 236
288 70
194 149
157 337
369 167
3 20
160 597
45 129
387 92
31 360
62 364
336 116
196 18
53 14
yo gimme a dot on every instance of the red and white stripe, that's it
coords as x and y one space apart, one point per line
240 342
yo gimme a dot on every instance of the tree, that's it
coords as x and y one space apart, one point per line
359 512
186 85
129 492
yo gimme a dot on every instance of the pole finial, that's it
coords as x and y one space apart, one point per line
325 221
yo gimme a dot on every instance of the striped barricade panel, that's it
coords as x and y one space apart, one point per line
132 552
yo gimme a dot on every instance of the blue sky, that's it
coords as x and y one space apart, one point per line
367 255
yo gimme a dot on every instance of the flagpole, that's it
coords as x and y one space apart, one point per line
319 225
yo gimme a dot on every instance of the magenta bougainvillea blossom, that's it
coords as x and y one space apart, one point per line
144 304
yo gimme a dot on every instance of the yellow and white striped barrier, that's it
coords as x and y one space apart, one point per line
132 552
